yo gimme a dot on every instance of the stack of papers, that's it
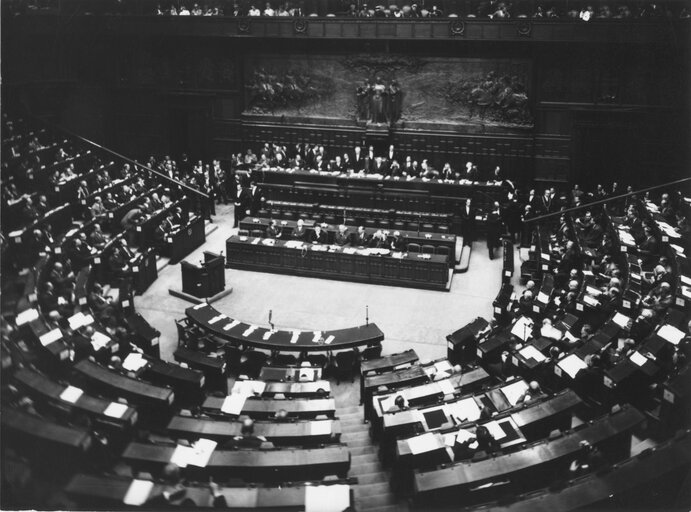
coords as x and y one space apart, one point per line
671 334
622 321
530 352
50 337
99 340
138 493
571 364
26 316
115 410
234 403
134 362
71 394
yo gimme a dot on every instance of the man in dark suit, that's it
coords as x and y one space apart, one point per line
358 159
494 229
361 238
318 236
468 223
256 198
392 154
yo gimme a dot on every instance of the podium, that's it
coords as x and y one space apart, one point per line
204 282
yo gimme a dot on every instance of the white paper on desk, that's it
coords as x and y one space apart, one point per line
329 339
230 325
233 404
685 280
320 428
638 359
199 306
268 334
446 386
464 410
551 332
593 291
76 321
495 430
671 334
134 362
590 300
588 273
677 248
523 328
294 337
530 352
463 435
543 297
622 321
249 387
327 498
443 366
249 330
99 340
181 455
686 291
138 493
514 390
115 410
450 439
424 443
50 337
217 318
386 403
201 453
571 364
71 394
317 336
570 337
26 316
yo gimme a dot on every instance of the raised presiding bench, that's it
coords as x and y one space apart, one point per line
250 465
237 404
112 492
530 468
244 334
376 266
297 433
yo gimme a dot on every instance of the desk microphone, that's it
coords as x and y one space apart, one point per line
367 315
271 312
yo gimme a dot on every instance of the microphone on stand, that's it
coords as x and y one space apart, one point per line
271 312
367 315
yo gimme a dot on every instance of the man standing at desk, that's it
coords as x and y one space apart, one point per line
468 223
273 231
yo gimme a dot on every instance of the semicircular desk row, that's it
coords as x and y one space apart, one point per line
220 325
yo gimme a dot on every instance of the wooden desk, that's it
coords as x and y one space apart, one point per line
335 262
252 465
289 373
520 468
41 387
280 433
388 363
239 333
110 492
213 368
182 242
318 389
266 408
100 379
43 440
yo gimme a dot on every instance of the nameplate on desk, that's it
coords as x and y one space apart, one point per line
71 394
232 324
50 337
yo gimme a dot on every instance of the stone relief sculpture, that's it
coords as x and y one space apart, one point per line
379 103
268 91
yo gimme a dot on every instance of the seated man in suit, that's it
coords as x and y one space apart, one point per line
272 231
342 237
319 236
361 239
97 238
299 233
397 242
